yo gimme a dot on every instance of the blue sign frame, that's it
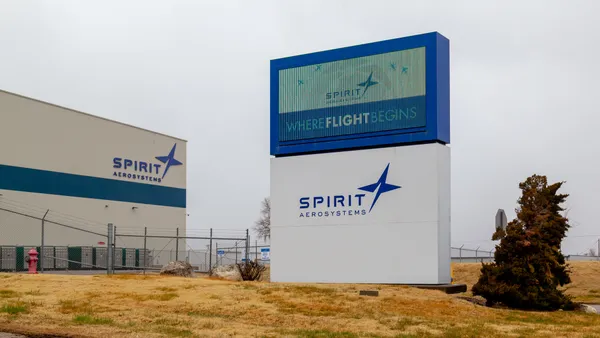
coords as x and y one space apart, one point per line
437 87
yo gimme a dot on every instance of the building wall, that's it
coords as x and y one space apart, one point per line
59 159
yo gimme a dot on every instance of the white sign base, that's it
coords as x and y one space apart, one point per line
366 216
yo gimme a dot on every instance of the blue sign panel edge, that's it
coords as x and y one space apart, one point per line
437 51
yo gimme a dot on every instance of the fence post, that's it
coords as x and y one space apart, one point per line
42 246
113 247
256 249
247 245
177 246
109 252
145 252
210 252
236 249
217 251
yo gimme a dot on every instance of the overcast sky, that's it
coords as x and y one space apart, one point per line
524 81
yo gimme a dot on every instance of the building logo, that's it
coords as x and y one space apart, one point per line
351 94
367 84
382 185
137 170
347 204
169 160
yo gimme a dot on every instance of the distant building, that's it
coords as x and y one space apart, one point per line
88 171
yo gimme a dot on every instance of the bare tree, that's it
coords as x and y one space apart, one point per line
262 226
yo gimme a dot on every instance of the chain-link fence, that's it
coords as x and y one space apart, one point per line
201 248
63 242
69 243
230 255
582 258
466 255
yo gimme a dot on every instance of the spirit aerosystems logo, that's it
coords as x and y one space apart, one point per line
353 204
149 171
351 94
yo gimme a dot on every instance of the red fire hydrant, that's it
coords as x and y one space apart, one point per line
33 259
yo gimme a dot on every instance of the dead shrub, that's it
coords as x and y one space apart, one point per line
251 270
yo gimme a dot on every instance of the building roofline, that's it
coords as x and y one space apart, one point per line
87 114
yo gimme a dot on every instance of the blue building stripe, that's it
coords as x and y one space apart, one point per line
57 183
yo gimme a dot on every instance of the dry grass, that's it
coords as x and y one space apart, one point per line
585 276
154 306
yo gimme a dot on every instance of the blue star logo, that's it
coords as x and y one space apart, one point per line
367 84
404 70
381 186
169 160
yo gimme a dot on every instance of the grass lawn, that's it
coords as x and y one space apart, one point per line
155 306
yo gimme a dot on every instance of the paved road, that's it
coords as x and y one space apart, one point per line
10 335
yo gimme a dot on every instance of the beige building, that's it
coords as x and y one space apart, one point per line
81 172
